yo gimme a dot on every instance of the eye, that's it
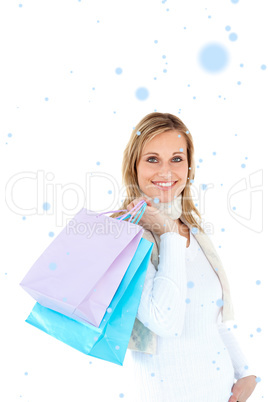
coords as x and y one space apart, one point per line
151 157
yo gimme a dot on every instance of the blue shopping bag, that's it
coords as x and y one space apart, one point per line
110 340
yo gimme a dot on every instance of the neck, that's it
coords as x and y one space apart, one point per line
173 208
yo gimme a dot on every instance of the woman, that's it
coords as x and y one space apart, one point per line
181 351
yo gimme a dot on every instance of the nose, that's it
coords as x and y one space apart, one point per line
165 172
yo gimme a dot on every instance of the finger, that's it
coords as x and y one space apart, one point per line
236 396
233 399
130 206
136 201
148 202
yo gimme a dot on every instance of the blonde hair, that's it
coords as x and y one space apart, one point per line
150 126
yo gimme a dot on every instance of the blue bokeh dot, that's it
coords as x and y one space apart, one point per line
234 1
52 266
213 57
187 301
109 191
227 28
233 36
46 206
156 200
219 302
118 70
51 234
243 165
121 395
46 99
156 41
258 329
9 135
98 163
190 284
194 230
142 93
258 282
258 379
263 67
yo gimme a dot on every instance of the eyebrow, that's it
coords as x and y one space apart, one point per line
155 153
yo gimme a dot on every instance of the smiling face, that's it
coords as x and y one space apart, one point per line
163 167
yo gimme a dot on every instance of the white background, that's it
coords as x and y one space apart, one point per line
66 117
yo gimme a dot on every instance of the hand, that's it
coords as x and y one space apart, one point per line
153 219
243 388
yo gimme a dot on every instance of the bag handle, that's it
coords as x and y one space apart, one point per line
140 208
139 214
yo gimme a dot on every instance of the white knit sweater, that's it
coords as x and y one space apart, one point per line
198 357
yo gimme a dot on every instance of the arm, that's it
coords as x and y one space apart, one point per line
238 358
162 305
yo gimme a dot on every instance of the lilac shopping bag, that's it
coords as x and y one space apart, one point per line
110 340
79 272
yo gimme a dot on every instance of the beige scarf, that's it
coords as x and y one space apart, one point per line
144 340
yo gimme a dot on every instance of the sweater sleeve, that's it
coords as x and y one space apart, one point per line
162 305
240 363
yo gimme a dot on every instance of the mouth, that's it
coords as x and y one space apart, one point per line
164 185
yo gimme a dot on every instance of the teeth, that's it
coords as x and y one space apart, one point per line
165 184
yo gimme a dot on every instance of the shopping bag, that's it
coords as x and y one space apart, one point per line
79 272
110 341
